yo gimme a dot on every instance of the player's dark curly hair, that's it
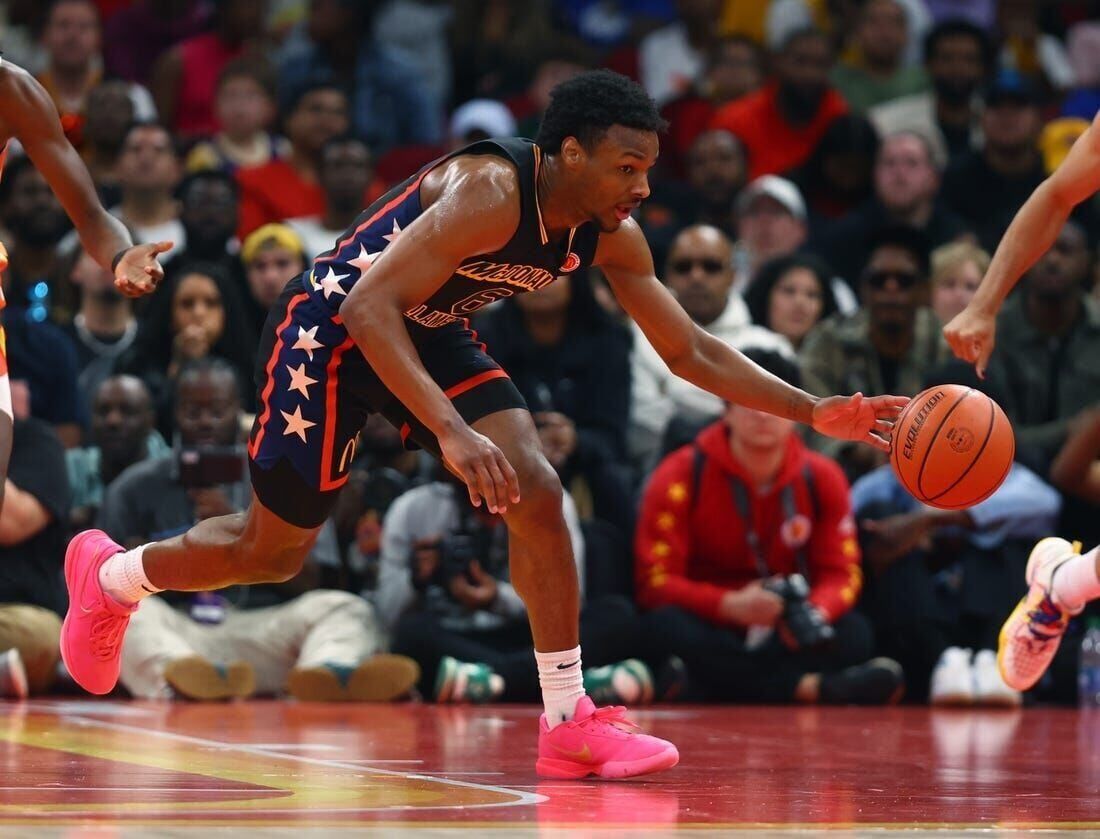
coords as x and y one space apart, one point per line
587 105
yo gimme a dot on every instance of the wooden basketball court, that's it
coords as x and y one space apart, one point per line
81 768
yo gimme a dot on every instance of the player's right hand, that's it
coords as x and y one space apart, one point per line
971 335
139 272
483 467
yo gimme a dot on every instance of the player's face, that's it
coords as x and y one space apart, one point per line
614 175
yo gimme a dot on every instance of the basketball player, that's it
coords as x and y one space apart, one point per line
1061 580
379 324
28 114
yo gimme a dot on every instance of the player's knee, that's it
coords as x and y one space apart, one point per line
540 490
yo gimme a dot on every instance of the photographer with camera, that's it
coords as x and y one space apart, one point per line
746 555
445 597
316 644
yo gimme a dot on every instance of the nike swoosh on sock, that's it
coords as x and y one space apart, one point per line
570 664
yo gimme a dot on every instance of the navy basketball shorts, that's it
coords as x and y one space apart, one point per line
316 390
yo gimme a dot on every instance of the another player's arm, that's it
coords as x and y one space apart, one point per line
29 114
473 209
693 354
1029 236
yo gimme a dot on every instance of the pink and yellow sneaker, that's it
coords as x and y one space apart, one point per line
91 636
1031 635
600 741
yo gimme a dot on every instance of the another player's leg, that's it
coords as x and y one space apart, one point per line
106 582
1061 582
575 738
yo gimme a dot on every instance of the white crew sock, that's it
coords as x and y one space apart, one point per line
122 577
562 684
1075 582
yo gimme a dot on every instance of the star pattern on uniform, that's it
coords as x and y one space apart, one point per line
307 340
296 423
300 380
331 283
364 261
389 237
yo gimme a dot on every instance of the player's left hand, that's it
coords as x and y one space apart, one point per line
138 272
868 419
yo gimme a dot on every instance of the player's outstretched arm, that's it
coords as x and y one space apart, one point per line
709 363
972 332
474 208
29 113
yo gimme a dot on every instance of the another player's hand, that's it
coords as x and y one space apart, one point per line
971 335
482 466
868 419
138 272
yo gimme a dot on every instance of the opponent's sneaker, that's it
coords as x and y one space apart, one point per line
600 741
626 681
91 636
1030 636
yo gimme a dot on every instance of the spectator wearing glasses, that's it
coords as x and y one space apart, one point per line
700 273
886 347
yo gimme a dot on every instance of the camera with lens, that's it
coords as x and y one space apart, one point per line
456 552
800 618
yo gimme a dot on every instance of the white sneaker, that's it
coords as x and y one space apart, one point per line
989 687
952 680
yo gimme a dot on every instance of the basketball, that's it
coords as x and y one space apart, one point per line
953 446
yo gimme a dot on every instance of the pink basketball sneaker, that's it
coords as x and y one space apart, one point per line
91 636
600 741
1031 635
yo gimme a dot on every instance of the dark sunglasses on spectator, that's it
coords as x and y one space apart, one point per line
879 279
709 266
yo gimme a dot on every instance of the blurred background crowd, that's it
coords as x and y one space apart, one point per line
834 178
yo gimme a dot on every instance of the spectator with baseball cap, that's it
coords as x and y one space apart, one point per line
771 222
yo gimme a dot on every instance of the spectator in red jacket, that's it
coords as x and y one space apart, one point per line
780 124
723 520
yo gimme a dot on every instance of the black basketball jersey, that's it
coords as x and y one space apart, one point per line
529 261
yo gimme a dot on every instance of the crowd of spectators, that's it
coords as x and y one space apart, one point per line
833 180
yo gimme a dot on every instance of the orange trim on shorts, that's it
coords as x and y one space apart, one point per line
327 482
461 388
265 415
